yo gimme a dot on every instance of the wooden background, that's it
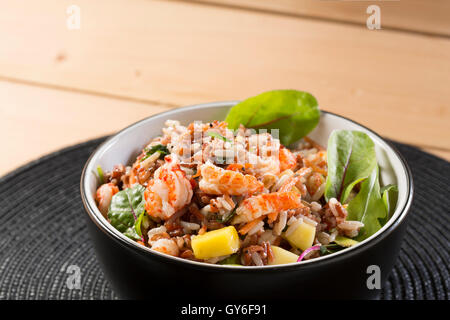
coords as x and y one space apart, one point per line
133 58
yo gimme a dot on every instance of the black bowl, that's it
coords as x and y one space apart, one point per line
136 272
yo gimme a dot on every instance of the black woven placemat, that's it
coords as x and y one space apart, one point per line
42 231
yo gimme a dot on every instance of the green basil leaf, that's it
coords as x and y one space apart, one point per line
368 207
162 149
218 136
126 208
351 158
390 196
294 113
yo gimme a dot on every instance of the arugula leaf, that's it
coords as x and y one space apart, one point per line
294 113
217 135
162 149
351 158
126 209
368 207
390 197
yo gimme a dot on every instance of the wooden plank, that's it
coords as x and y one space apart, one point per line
39 120
413 15
179 53
444 154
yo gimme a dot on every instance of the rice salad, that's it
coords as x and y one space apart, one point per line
233 192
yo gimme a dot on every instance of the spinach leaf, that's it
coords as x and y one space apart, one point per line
368 207
162 149
125 210
351 158
294 113
218 136
390 196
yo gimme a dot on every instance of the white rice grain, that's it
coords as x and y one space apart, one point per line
319 193
256 228
257 259
189 225
279 226
282 179
291 220
333 236
205 210
315 206
310 221
267 236
323 237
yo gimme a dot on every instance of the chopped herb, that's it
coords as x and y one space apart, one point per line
323 250
229 216
163 151
101 177
217 135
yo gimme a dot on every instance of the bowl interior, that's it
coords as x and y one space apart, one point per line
126 145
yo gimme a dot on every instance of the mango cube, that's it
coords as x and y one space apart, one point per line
282 256
216 243
303 236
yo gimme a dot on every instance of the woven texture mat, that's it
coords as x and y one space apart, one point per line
42 231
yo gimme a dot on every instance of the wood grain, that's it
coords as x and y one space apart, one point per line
39 120
422 16
146 56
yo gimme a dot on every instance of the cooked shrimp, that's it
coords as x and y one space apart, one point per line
168 192
216 180
104 195
168 246
287 159
267 203
295 180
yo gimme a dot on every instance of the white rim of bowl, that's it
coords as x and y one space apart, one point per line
104 225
